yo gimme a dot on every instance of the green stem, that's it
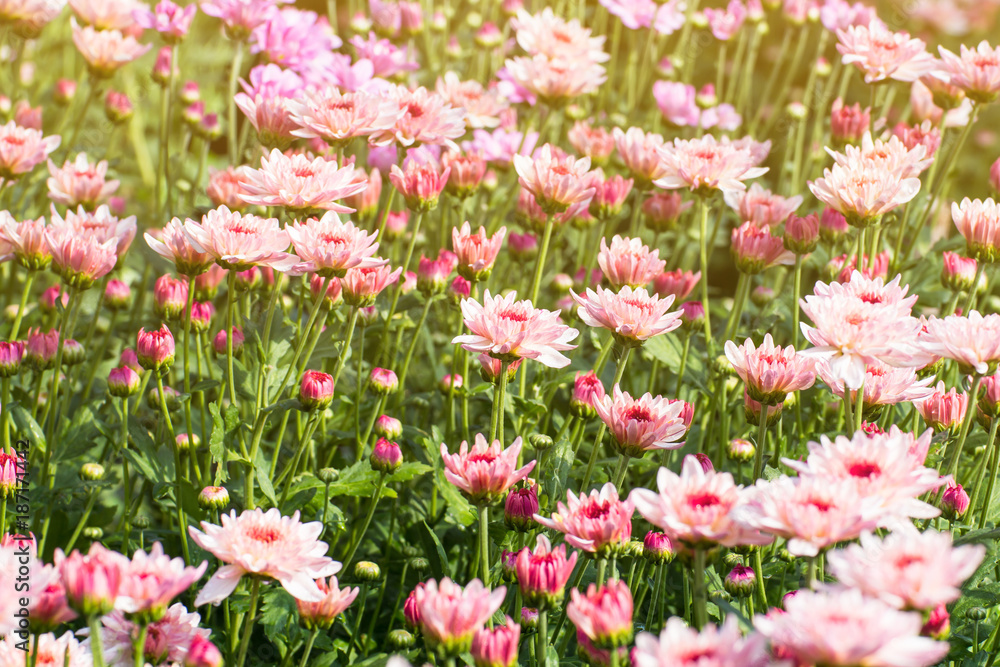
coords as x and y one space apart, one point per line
396 293
620 470
96 649
542 638
543 251
703 259
759 567
251 617
367 522
309 645
484 545
413 343
988 455
139 647
91 501
758 458
178 468
24 302
956 452
126 482
289 472
970 300
699 591
342 360
795 301
234 72
848 411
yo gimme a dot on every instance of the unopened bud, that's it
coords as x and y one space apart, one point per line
91 472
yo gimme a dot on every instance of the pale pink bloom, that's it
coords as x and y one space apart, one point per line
812 513
593 142
542 573
384 58
639 152
706 164
508 329
923 134
335 601
551 36
477 252
677 103
106 50
979 222
295 182
420 184
842 627
721 116
957 272
151 581
168 19
725 23
496 647
603 614
556 182
30 16
633 315
106 14
239 242
167 639
80 182
426 119
18 558
600 523
609 194
882 54
943 410
891 155
762 207
92 581
482 105
677 283
449 615
265 544
642 424
266 100
485 472
681 646
840 14
770 372
80 259
629 262
52 652
863 192
665 18
553 80
973 341
884 384
499 146
361 286
697 507
173 243
240 17
297 39
975 71
100 225
755 249
339 117
330 247
22 149
848 124
26 240
923 102
224 187
908 569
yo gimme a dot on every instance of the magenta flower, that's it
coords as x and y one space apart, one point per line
629 262
168 640
600 523
639 151
677 283
297 183
682 646
557 183
555 80
238 242
265 101
755 249
542 573
587 392
449 615
477 252
603 614
362 285
591 141
485 472
769 371
168 19
265 544
330 247
151 581
322 614
80 260
884 385
632 315
762 207
642 424
677 103
106 51
496 647
426 119
420 184
26 240
99 225
93 582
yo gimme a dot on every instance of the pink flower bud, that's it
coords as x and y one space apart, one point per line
801 233
411 612
995 175
459 289
925 134
419 184
219 343
662 209
755 249
490 368
64 92
954 501
395 224
161 68
449 382
833 226
190 93
677 283
213 497
431 276
117 107
706 463
496 647
466 173
692 315
209 127
383 381
117 295
41 348
11 355
657 548
130 358
958 273
50 297
202 653
223 189
170 296
123 382
10 466
489 36
367 315
740 450
752 408
333 290
938 624
201 316
529 617
609 195
761 295
520 508
155 349
386 457
943 410
248 280
848 124
587 389
388 427
193 114
315 390
522 247
409 282
740 581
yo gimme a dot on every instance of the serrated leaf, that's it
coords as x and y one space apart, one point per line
557 468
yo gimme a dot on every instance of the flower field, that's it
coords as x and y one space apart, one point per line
621 333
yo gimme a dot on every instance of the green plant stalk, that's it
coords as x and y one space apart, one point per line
396 293
309 645
758 457
970 300
703 259
342 360
178 468
484 544
413 343
139 647
126 481
543 250
251 617
795 301
91 501
582 568
367 522
234 73
362 597
185 360
21 307
289 473
620 469
699 591
761 590
97 650
542 638
988 455
955 454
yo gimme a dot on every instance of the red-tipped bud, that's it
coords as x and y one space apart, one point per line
388 427
383 381
587 389
11 355
117 295
520 508
740 581
315 390
155 349
123 382
386 456
170 296
202 653
219 343
64 92
656 547
801 233
954 501
848 124
449 382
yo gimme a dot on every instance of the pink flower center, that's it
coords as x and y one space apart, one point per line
482 457
265 534
304 172
333 239
340 105
14 140
639 413
513 314
871 297
597 510
863 469
560 170
820 504
414 110
702 500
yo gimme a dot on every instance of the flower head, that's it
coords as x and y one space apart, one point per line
600 523
705 164
632 315
496 647
682 646
975 71
542 573
295 182
330 247
973 341
322 614
93 581
419 183
476 252
151 581
644 423
770 372
106 50
603 614
882 54
557 183
80 182
485 472
628 262
22 149
173 243
238 242
979 222
449 615
361 285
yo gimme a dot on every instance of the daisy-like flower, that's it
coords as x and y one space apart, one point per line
330 247
678 283
322 614
151 581
419 183
449 615
485 472
22 149
644 423
80 183
975 71
51 652
100 225
339 117
755 249
943 409
507 329
681 646
884 385
591 141
863 191
240 17
603 614
677 102
26 240
295 182
299 40
104 15
168 640
173 244
266 100
542 573
812 513
548 34
426 118
19 558
30 16
640 153
883 54
770 372
979 222
908 569
890 155
557 183
705 164
972 341
628 261
600 523
762 207
171 21
265 544
482 106
238 242
632 315
697 507
80 260
362 285
842 628
496 647
106 51
477 252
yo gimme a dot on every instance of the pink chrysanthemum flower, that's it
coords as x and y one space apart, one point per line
482 106
843 627
449 615
639 152
890 155
548 34
678 283
542 573
26 240
590 141
105 15
298 39
498 646
755 249
697 507
770 372
419 183
972 341
556 182
706 163
812 513
295 182
64 651
725 23
975 71
762 207
106 50
603 614
485 472
330 247
627 261
632 315
508 329
600 523
677 102
80 183
80 260
46 595
477 252
943 409
265 544
641 424
100 225
426 119
151 581
168 639
168 19
339 117
361 286
240 17
173 243
884 385
882 54
863 191
22 149
266 102
979 222
238 242
908 569
681 646
322 614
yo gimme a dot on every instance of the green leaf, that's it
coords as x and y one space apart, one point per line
144 456
260 464
434 551
557 468
281 406
279 613
222 434
458 506
27 427
982 536
409 470
668 350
